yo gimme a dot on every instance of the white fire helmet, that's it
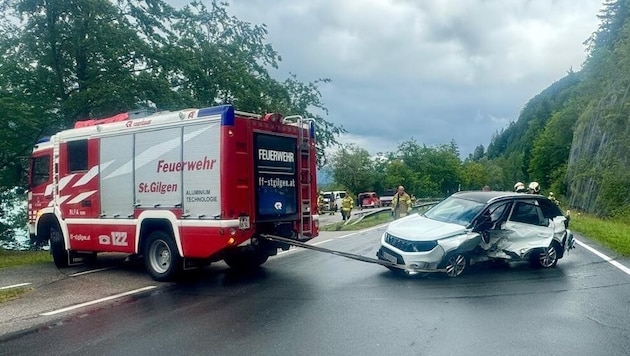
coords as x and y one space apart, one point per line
534 187
519 187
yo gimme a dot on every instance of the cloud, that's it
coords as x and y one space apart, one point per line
436 70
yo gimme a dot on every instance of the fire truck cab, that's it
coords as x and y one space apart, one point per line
179 188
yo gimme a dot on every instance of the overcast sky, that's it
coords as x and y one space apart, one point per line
434 70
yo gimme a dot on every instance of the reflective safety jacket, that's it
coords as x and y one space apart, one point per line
401 203
347 203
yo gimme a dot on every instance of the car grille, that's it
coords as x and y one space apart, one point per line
409 246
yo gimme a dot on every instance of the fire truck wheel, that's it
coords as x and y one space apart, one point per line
161 258
244 260
58 248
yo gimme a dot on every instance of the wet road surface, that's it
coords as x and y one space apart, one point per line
309 303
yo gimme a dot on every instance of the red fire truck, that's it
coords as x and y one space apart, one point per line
179 188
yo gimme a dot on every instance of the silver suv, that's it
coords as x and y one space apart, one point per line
471 227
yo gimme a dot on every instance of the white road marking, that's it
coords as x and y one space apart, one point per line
91 271
116 296
293 248
618 265
321 242
15 286
362 231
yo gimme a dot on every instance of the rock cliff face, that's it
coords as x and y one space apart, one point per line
595 103
598 174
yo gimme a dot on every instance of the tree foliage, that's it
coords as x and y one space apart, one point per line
353 168
424 171
63 61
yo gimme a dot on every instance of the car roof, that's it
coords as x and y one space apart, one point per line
486 197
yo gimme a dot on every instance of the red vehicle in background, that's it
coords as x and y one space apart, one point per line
369 200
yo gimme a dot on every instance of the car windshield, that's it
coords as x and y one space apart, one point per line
455 210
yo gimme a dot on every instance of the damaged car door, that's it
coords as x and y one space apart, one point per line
522 234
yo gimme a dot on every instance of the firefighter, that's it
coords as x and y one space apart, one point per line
519 187
320 202
346 207
401 203
553 198
534 188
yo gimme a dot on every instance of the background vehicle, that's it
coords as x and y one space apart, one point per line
387 197
369 200
471 227
329 202
332 200
180 188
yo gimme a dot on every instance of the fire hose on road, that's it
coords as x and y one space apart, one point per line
352 256
333 252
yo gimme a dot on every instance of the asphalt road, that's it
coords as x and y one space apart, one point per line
309 303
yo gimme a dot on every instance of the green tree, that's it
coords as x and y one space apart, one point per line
474 176
353 168
432 171
478 154
550 153
63 61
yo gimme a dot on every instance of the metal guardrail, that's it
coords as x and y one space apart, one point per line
370 212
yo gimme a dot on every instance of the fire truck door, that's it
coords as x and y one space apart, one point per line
78 185
40 183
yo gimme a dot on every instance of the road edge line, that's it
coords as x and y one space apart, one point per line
364 230
96 301
15 286
281 253
321 242
91 271
604 257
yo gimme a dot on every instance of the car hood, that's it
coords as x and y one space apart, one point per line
418 228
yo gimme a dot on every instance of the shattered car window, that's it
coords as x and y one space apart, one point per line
455 210
549 209
497 211
526 213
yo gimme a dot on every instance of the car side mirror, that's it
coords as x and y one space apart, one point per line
484 222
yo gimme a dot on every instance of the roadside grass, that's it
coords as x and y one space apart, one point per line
12 293
376 219
367 222
22 258
614 234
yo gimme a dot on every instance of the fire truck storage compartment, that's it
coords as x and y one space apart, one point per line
275 177
165 168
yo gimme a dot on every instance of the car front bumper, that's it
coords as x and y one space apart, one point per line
428 261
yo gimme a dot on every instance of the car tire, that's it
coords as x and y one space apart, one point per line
58 248
455 264
161 257
547 257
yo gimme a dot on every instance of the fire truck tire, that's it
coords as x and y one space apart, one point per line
245 260
161 258
58 248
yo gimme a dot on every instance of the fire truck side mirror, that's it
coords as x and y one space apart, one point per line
21 191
